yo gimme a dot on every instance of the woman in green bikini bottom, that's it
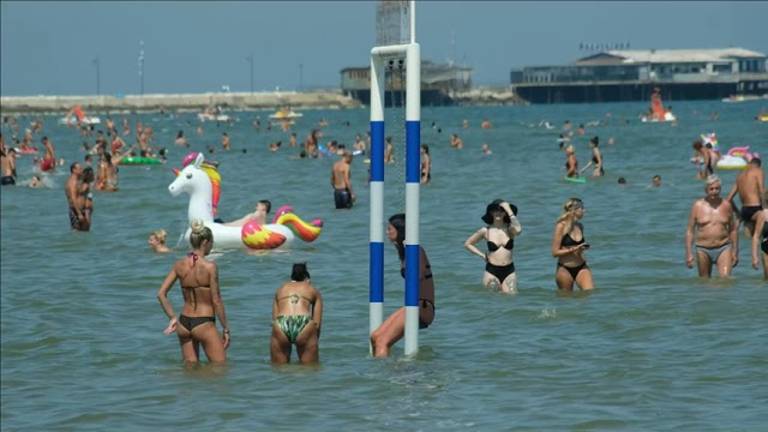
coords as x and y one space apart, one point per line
297 313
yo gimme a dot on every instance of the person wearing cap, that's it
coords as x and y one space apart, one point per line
713 226
499 233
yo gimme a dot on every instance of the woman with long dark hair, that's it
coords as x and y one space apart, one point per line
393 328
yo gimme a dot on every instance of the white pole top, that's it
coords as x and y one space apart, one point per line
413 21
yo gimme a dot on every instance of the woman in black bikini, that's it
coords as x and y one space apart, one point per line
568 246
199 279
393 328
503 227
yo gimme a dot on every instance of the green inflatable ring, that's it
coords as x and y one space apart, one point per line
136 160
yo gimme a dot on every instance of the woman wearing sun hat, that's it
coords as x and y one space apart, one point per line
499 233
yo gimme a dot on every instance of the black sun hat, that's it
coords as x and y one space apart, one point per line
496 206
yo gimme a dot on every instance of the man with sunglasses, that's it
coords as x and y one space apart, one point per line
716 237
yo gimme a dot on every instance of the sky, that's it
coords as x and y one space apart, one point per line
191 47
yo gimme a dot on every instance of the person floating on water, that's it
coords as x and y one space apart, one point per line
259 214
499 233
712 225
750 186
297 316
393 328
343 196
156 241
199 280
568 246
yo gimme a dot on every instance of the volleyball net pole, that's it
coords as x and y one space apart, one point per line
411 52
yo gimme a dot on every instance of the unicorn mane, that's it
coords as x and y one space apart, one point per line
213 175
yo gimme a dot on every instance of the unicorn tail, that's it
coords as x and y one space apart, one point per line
256 236
305 231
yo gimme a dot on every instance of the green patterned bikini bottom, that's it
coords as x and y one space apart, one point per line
292 325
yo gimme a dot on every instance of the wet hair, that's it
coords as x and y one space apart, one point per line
398 221
299 272
426 148
88 175
622 180
569 207
756 161
267 204
199 233
697 145
160 235
180 134
595 141
656 177
303 154
72 167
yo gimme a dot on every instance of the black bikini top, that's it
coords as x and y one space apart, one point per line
509 245
569 241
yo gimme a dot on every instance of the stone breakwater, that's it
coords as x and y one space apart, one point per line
177 102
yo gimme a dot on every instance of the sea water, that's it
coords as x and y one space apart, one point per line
653 348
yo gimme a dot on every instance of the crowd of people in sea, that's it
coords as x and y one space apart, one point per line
711 237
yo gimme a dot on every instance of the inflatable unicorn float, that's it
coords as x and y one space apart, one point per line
203 184
736 158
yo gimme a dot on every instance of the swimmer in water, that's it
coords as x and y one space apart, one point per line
568 246
760 237
199 280
750 186
343 196
656 181
499 233
393 328
156 241
597 158
297 315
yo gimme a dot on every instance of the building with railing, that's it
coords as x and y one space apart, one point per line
627 75
438 83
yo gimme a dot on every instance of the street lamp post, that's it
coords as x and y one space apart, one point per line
249 59
141 67
97 63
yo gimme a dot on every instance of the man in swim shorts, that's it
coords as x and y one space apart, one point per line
750 185
342 187
72 190
7 166
716 237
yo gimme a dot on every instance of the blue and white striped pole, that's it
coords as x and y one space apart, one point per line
412 180
412 54
376 247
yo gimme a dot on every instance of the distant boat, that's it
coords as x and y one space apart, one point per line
657 113
213 117
85 120
285 114
743 98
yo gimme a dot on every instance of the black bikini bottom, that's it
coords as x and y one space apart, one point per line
191 322
500 272
574 271
423 324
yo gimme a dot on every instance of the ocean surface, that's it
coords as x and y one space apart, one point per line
653 348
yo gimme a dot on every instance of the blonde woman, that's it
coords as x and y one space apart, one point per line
571 163
199 279
568 246
499 233
157 241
